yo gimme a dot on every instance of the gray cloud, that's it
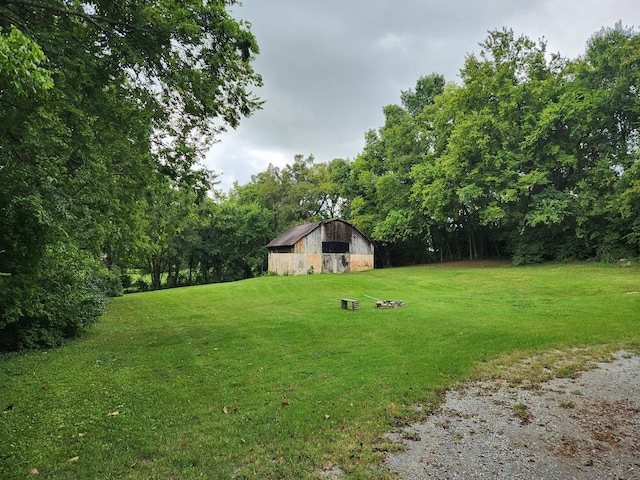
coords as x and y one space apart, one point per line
329 66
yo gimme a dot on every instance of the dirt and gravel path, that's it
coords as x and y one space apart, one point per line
567 428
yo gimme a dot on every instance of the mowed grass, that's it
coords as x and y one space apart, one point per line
270 378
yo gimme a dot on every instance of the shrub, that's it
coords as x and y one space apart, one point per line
125 280
528 252
141 285
111 281
54 302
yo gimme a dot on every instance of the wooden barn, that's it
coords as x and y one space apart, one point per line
330 246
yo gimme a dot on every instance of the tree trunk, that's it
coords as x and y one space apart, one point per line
473 249
155 268
387 257
170 275
156 278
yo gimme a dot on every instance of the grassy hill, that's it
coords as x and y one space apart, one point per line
270 378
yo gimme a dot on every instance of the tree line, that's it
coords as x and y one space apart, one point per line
107 108
532 157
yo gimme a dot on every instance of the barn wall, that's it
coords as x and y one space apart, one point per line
361 262
345 262
313 260
299 264
281 263
294 263
360 245
307 252
336 232
313 241
335 262
300 246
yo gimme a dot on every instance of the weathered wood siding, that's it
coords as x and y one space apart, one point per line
335 262
356 251
346 262
312 243
360 245
361 262
294 263
337 232
300 263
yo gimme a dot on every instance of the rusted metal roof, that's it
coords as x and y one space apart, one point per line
291 236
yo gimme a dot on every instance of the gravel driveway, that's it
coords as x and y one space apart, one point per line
578 428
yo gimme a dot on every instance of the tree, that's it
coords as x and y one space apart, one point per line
427 89
479 177
233 239
607 83
21 66
300 192
531 154
23 82
124 92
381 202
168 208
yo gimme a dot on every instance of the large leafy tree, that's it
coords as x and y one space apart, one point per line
583 145
231 241
380 182
302 191
170 209
119 92
427 89
478 171
607 136
533 156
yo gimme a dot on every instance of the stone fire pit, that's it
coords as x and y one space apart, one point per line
389 303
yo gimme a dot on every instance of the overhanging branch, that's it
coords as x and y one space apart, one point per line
62 11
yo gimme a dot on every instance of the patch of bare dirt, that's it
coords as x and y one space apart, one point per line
586 427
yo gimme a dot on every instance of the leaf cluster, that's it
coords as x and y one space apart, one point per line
105 109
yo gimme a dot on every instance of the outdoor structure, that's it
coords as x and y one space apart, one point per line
330 246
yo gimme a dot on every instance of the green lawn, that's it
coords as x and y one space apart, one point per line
270 378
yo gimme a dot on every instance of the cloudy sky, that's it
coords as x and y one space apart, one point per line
329 66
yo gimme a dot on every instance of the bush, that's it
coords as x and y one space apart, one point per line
528 251
112 281
125 280
57 301
141 285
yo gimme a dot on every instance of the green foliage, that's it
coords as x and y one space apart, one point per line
629 204
301 192
64 295
530 155
193 239
533 157
21 72
232 242
380 182
142 285
106 108
425 93
395 228
111 279
270 378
